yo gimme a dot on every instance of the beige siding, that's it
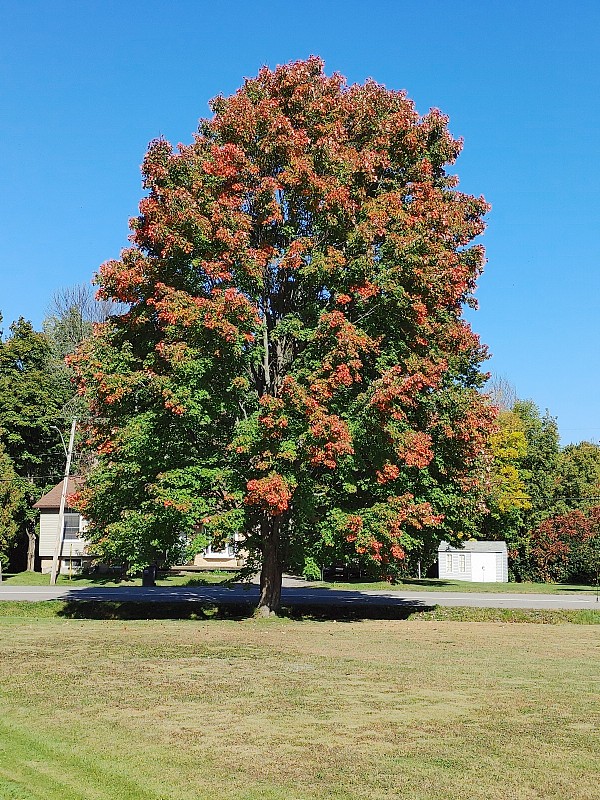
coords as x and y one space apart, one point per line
216 563
66 567
48 531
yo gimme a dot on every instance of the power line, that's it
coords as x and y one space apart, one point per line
34 478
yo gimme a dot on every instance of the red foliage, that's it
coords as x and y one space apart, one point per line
415 449
396 390
332 439
271 494
389 472
554 539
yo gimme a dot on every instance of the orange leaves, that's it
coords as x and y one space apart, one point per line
227 312
328 434
183 507
343 299
366 290
389 472
345 347
173 352
397 552
272 420
174 406
271 494
405 512
123 280
420 310
384 532
226 161
416 450
354 523
332 439
395 391
106 447
293 258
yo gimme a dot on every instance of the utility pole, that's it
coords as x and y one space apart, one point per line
61 513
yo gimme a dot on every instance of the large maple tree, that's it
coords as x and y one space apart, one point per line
295 363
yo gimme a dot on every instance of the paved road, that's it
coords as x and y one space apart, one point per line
299 593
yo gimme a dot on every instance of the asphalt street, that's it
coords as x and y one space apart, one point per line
299 593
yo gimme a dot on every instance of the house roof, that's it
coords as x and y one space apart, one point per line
52 498
473 547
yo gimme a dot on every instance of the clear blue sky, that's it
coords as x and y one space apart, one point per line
85 85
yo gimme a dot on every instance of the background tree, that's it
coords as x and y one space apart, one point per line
501 392
31 401
564 545
536 468
535 485
578 477
11 501
73 312
508 501
294 363
565 548
540 465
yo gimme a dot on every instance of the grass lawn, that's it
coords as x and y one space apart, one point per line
37 579
439 585
271 709
207 578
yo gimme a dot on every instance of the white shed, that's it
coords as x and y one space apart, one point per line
480 562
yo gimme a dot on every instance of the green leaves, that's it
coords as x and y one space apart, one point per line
12 496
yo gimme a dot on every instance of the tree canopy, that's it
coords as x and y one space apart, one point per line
11 501
294 363
32 396
578 480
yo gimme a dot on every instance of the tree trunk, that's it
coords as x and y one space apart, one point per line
31 549
271 572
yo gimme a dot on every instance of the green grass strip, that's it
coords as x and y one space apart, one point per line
131 610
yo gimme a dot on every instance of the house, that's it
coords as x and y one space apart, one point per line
73 557
485 562
228 556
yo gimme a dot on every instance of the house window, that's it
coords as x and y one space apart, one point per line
448 562
224 551
462 563
71 527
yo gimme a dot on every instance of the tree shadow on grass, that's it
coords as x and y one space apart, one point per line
572 589
133 609
189 610
112 579
105 579
353 613
425 582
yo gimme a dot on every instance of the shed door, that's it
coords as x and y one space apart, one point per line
483 567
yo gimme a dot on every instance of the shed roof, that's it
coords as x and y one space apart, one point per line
472 546
52 498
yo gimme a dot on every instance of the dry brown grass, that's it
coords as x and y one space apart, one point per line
284 709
